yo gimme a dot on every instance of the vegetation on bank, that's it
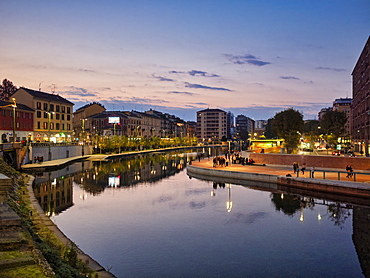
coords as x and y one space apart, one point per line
118 144
61 260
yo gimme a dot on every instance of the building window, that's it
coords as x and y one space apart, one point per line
68 110
68 117
51 125
57 116
57 108
45 115
38 113
45 106
38 125
51 107
3 112
68 127
45 125
63 109
62 126
57 126
62 117
38 105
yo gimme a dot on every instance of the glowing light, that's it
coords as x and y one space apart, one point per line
319 217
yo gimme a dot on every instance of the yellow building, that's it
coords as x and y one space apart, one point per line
53 115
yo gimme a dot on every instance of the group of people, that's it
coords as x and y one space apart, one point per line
302 170
38 159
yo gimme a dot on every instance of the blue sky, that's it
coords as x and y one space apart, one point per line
249 57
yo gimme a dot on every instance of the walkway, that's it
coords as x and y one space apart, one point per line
282 170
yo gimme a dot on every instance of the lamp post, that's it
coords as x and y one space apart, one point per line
14 105
49 117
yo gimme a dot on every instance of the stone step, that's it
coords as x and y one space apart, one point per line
8 217
18 262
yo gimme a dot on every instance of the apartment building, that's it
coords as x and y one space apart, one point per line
53 115
361 101
211 125
244 127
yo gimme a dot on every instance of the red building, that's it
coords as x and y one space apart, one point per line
361 101
23 122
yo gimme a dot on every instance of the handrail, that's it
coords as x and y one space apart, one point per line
354 174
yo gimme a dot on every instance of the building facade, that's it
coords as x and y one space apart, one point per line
19 114
80 118
52 121
344 105
211 125
361 101
244 127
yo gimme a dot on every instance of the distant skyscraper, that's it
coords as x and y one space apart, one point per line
230 125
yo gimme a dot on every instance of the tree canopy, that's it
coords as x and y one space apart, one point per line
333 122
288 124
7 89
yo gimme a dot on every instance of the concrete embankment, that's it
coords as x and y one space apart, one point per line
92 264
277 175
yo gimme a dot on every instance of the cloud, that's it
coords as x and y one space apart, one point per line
195 73
86 70
181 93
79 92
328 68
289 77
202 73
161 78
198 86
245 59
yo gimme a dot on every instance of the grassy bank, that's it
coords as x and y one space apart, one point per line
52 257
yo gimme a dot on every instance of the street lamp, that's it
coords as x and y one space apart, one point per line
14 105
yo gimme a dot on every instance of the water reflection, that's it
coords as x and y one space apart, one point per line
251 224
54 193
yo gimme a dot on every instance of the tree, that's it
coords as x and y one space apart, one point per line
288 124
333 122
7 89
269 132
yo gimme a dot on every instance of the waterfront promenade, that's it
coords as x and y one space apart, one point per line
325 181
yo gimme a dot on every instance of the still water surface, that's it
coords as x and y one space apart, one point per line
144 217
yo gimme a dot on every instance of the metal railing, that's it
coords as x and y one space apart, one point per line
339 174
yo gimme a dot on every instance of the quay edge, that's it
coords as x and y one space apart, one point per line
346 188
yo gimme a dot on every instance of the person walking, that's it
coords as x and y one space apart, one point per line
303 168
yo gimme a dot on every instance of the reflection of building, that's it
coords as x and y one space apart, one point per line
211 124
54 195
360 105
53 115
361 237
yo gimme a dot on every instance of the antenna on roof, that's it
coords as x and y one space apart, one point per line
53 88
40 87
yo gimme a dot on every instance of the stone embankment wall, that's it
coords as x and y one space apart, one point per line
57 151
317 161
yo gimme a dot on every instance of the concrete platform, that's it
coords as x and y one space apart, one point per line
278 174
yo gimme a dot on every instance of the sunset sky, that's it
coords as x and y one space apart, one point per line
249 57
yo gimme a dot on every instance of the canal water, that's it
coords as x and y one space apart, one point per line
144 217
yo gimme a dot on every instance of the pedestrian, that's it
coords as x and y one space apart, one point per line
34 160
349 170
312 172
303 168
295 167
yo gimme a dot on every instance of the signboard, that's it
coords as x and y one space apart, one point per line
113 120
